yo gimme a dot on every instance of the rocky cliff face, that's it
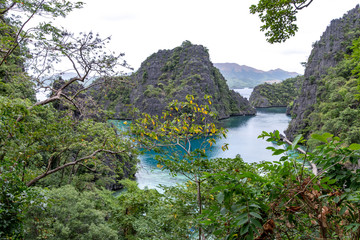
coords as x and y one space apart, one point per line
326 53
172 74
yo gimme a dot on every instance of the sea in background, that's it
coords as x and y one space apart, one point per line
242 137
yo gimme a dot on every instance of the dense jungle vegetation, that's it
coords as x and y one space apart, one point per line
337 108
276 94
57 158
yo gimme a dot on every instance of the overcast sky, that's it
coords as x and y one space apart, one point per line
142 27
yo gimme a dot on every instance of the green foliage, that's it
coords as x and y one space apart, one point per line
175 132
355 58
112 93
70 214
152 91
277 94
174 137
172 63
279 18
147 214
45 142
236 211
224 198
40 144
284 199
15 198
337 107
303 204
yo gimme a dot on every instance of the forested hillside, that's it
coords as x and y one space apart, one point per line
327 101
54 142
277 94
60 156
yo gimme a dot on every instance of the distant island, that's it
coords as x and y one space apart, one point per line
277 94
242 76
172 75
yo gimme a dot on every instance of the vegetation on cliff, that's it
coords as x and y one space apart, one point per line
45 143
172 75
277 94
327 101
337 108
55 160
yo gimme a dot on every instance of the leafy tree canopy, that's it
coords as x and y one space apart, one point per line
279 17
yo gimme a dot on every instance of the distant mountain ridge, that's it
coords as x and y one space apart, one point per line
241 76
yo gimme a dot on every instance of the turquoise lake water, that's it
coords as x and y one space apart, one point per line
242 137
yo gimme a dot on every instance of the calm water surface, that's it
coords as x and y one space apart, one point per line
241 137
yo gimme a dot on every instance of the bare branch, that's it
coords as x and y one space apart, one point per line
71 100
73 163
313 166
46 101
92 170
10 51
301 5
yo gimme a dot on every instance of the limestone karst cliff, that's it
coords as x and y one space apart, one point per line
326 54
172 74
277 94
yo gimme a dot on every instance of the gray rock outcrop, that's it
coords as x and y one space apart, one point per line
326 53
172 75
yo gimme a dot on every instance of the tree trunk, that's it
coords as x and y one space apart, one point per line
197 181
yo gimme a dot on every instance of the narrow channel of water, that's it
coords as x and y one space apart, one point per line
242 137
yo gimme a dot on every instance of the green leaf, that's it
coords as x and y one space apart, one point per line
254 214
243 221
327 135
220 197
343 210
223 211
295 142
242 216
254 205
249 237
256 223
278 152
319 137
354 147
324 180
331 181
237 208
244 229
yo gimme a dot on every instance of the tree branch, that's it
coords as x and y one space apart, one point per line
31 182
8 8
71 100
10 51
301 5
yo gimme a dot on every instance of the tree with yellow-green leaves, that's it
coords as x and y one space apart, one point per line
182 136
